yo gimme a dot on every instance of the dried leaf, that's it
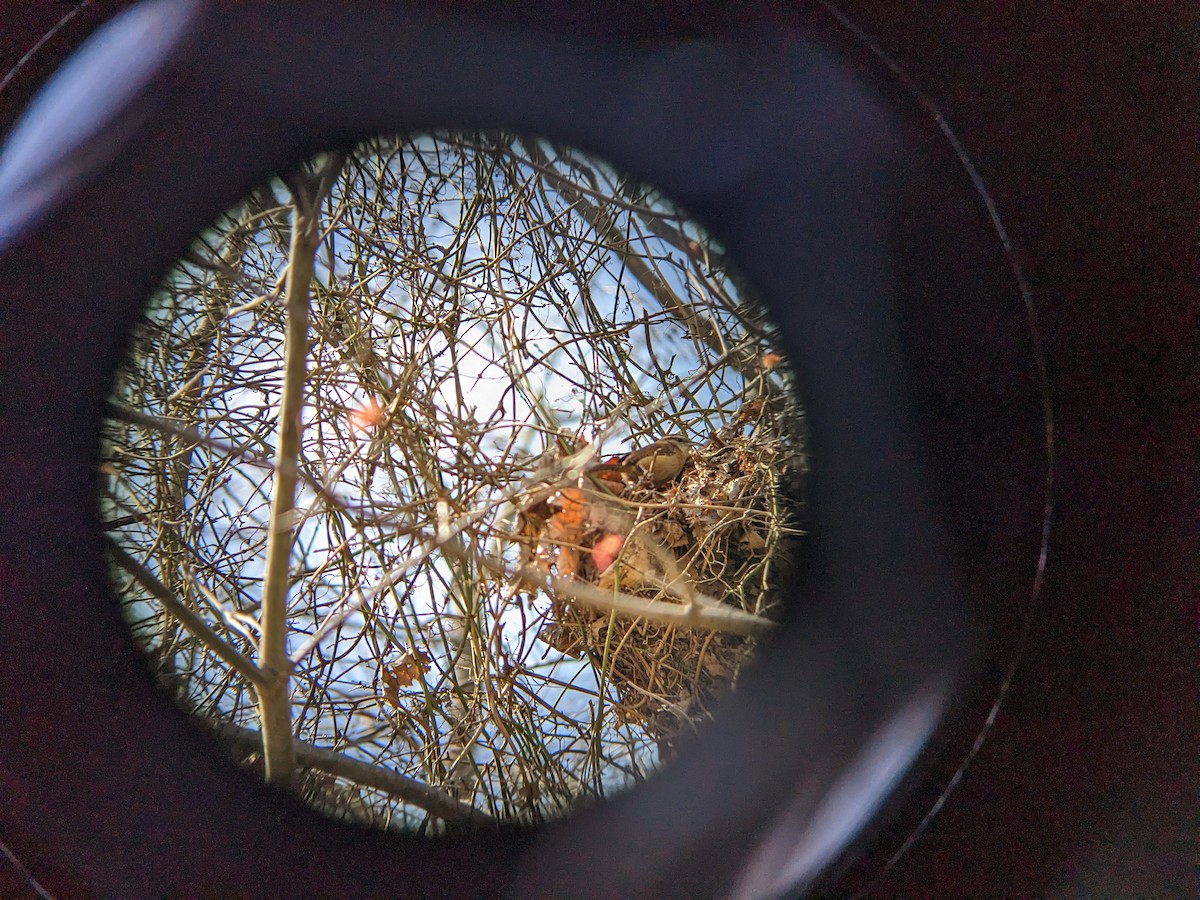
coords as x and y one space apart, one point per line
565 528
391 688
717 667
752 540
570 510
750 411
632 570
673 535
564 640
403 672
567 562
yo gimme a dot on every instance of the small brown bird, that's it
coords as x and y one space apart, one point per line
663 460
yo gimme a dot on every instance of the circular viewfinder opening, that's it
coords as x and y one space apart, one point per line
453 479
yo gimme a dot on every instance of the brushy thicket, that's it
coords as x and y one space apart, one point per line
490 321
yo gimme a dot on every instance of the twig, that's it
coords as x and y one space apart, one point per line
274 699
410 790
701 327
239 451
702 613
192 622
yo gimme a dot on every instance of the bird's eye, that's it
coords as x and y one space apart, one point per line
368 488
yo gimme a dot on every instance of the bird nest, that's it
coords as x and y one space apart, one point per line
718 531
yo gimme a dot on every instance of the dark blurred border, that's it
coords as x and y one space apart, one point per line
1082 122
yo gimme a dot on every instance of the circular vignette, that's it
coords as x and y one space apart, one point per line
812 235
488 319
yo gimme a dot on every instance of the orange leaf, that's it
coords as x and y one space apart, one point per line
366 415
402 672
571 510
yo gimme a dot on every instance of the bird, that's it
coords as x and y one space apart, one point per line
661 461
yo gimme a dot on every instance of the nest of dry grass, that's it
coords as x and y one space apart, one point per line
726 524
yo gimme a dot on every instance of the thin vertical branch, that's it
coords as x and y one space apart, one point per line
274 697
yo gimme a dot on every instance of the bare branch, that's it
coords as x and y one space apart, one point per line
699 612
190 620
275 697
427 797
